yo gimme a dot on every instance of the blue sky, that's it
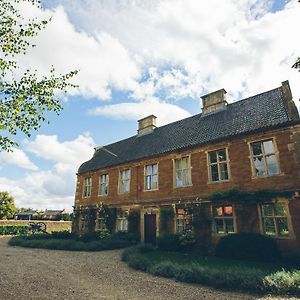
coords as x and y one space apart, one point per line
138 58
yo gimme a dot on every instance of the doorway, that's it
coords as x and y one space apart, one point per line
150 228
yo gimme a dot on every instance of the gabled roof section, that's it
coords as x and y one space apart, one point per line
263 111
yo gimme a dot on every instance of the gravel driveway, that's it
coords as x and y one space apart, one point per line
48 274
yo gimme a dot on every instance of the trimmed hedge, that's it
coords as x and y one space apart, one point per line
68 241
13 229
235 277
248 246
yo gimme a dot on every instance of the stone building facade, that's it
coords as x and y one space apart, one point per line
233 168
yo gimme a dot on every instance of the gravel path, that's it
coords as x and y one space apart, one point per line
48 274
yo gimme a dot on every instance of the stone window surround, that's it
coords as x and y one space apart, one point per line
209 169
99 186
276 152
145 174
119 181
87 186
289 219
189 167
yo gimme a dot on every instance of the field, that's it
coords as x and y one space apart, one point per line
51 225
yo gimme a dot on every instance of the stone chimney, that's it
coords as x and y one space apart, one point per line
214 101
147 124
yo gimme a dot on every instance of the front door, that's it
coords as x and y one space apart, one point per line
150 228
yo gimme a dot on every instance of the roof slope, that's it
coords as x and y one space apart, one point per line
259 112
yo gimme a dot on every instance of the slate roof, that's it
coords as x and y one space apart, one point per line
260 112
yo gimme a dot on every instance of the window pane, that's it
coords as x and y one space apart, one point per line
267 210
222 155
213 157
186 179
259 164
269 226
179 180
280 210
127 186
224 171
154 169
185 163
272 164
268 147
178 164
154 181
229 225
256 148
214 173
149 170
218 211
282 226
148 182
227 211
219 226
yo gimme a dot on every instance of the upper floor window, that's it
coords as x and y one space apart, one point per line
264 158
87 187
223 219
183 171
124 186
275 219
218 165
151 177
103 185
183 220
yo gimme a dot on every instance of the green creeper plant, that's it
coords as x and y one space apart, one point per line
24 99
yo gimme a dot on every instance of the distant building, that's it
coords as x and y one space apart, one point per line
27 215
53 214
171 173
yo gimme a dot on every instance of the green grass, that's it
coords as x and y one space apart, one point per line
221 273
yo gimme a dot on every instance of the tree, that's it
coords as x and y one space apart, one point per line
24 99
7 206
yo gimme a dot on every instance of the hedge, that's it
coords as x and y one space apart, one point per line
13 229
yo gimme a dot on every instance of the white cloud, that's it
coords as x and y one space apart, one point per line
53 188
165 112
196 48
17 158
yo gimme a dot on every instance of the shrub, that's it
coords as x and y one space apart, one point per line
165 269
292 258
283 282
13 229
65 234
141 248
139 262
169 242
248 246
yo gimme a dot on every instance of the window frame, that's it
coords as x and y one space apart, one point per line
189 171
291 234
122 219
101 183
275 153
209 164
121 181
151 177
223 218
89 187
186 215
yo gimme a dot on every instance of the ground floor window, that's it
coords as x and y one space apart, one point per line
122 220
83 222
100 224
275 219
223 219
183 220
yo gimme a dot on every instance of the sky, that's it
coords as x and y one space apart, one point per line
136 58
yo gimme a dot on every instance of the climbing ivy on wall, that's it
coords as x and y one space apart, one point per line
242 196
109 215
